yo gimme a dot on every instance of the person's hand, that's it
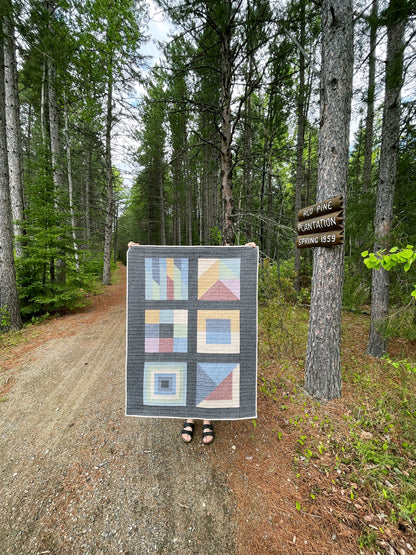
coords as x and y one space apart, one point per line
131 244
250 245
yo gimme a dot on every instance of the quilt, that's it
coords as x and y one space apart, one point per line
192 332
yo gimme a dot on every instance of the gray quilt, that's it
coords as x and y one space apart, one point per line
192 332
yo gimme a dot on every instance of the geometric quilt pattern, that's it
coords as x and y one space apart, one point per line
165 384
166 331
219 280
166 279
192 332
218 331
218 385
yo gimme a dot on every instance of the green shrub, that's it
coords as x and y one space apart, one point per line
276 281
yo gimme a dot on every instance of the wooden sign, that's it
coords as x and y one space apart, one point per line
322 224
324 207
325 223
327 239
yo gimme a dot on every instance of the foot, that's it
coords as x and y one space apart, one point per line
207 432
187 432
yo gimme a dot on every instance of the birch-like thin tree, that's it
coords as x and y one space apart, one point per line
369 121
395 19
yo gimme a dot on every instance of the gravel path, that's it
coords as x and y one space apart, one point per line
77 476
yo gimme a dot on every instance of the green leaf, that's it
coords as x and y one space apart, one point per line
407 254
387 262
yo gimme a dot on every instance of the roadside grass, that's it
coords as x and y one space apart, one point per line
360 448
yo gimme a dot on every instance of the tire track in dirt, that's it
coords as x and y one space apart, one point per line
77 476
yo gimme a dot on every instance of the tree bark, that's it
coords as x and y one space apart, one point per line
161 179
323 368
109 208
68 148
14 142
9 302
369 122
377 342
226 137
55 148
300 137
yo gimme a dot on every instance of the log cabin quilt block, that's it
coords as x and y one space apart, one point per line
192 332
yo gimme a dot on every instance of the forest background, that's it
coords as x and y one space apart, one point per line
222 135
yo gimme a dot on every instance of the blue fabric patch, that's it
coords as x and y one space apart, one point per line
218 332
165 384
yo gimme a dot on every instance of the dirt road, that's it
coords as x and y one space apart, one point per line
76 475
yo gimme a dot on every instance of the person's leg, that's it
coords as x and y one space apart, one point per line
207 432
187 432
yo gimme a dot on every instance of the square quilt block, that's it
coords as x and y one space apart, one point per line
164 384
166 331
218 331
166 279
218 385
219 280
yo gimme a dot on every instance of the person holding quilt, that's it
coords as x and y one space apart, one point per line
188 429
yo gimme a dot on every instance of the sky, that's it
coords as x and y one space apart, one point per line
159 29
123 143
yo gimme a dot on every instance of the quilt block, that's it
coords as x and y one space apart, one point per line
192 332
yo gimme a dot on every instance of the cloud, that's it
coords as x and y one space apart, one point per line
159 30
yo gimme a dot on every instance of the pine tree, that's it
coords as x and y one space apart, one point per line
323 368
9 303
395 19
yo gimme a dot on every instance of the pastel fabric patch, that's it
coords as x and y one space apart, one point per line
166 331
218 385
219 280
166 279
192 332
218 331
164 384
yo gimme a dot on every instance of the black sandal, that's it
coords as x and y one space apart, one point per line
207 431
188 432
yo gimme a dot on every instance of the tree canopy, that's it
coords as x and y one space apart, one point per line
219 136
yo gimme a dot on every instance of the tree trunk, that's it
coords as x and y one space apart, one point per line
43 104
55 147
109 208
226 157
70 185
9 302
189 191
87 193
161 176
377 343
300 138
14 142
369 122
323 368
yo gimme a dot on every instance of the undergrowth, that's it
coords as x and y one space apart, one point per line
364 444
